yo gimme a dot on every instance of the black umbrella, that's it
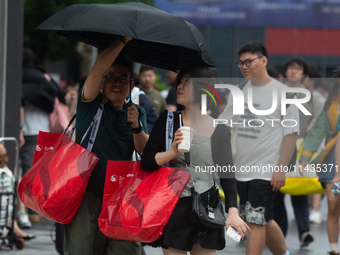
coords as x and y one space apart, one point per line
160 39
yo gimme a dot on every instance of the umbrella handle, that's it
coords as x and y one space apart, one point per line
127 105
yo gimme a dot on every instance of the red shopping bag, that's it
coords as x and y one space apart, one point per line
55 185
137 204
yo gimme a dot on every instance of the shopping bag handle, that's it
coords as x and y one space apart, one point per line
94 126
69 124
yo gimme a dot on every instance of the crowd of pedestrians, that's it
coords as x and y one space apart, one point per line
260 215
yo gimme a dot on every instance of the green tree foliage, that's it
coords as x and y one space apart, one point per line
47 44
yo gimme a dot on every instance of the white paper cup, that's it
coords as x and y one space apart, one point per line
188 134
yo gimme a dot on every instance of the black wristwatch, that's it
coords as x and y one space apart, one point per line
139 129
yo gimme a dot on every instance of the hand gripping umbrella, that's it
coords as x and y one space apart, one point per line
159 38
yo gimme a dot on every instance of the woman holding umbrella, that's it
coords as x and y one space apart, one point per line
211 146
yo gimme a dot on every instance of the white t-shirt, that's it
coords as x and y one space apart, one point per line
35 120
258 149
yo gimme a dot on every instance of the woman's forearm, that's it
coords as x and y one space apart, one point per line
164 157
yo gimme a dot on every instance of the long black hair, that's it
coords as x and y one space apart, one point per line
335 91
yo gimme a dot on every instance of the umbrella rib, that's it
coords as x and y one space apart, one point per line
89 8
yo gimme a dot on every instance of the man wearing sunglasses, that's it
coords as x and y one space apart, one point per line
257 145
108 82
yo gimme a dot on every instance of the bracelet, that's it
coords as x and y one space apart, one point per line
21 125
121 38
137 130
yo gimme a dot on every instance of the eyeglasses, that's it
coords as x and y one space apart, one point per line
113 79
247 62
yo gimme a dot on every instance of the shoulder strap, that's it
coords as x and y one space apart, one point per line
169 131
94 126
69 124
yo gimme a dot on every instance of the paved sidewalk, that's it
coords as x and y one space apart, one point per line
43 244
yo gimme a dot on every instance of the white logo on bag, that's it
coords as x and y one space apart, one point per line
38 148
130 175
121 179
49 148
113 178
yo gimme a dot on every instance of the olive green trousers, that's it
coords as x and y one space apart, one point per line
83 237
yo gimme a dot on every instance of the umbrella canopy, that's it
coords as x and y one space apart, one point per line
160 39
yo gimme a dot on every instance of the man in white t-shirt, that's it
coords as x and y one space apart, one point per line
262 144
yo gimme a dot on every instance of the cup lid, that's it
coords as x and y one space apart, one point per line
187 128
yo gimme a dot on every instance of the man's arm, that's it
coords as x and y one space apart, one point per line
279 178
140 141
103 62
141 138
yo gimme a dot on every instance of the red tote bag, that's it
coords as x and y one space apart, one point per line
137 204
55 185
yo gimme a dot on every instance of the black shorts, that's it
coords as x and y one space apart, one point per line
182 233
256 201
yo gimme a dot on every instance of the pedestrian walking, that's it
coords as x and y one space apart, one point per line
263 145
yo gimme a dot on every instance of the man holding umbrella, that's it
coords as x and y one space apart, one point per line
108 82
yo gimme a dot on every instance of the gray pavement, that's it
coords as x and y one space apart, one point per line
43 244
